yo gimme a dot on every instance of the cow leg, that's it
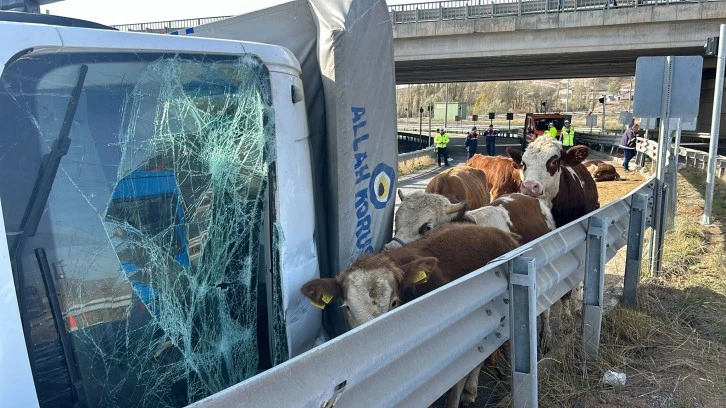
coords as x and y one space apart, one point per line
545 332
452 398
468 396
566 303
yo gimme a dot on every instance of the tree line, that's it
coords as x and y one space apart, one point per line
509 96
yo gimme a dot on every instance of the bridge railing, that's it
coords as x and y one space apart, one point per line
414 354
466 9
166 27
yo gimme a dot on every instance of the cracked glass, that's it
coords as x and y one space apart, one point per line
139 256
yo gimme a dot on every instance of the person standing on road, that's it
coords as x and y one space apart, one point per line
568 136
472 142
627 143
441 140
551 131
491 135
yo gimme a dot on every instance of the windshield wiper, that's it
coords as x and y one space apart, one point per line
31 219
50 163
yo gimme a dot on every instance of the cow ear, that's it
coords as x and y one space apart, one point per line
516 156
418 271
575 155
456 210
321 291
401 195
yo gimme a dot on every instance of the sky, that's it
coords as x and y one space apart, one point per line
114 12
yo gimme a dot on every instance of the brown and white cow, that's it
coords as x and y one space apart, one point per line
447 195
502 177
527 217
461 184
601 171
558 177
376 284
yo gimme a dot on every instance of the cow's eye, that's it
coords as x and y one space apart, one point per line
395 303
426 227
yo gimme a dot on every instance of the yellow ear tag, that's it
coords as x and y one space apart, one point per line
327 298
319 305
421 277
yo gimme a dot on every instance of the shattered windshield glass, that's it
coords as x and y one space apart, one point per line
152 240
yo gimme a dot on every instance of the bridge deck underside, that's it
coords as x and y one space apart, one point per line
526 67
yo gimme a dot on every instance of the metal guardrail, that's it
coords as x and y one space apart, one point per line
423 140
166 27
442 11
598 141
649 148
414 354
428 151
693 158
474 9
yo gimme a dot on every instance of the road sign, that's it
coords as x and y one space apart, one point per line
626 118
685 86
591 120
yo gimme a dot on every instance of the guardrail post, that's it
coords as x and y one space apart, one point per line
657 235
523 331
597 234
441 14
634 256
670 212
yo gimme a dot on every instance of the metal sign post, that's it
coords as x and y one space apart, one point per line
715 127
657 238
591 120
665 89
431 113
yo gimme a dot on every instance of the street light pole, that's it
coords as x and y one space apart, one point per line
420 122
431 111
715 127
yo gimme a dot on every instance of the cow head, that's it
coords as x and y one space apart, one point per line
370 287
419 213
541 164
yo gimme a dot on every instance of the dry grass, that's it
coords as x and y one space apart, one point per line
673 346
414 165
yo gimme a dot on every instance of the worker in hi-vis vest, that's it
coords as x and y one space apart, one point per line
552 131
441 140
568 135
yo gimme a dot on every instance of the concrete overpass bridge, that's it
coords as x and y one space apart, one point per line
498 40
459 41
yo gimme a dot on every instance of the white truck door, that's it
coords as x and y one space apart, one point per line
143 232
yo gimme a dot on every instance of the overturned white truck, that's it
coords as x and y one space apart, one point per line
164 197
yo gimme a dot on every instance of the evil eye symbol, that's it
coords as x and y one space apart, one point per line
381 188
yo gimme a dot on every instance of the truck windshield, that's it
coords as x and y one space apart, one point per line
138 284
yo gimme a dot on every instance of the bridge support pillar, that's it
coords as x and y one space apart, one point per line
597 236
523 335
634 256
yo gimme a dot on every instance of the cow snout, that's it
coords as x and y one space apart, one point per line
532 188
391 245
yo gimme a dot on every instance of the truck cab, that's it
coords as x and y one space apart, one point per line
538 123
157 215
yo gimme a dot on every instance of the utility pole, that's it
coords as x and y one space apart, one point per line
567 97
446 107
602 101
715 127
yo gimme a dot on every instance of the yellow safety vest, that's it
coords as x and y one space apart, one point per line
551 131
568 138
441 140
